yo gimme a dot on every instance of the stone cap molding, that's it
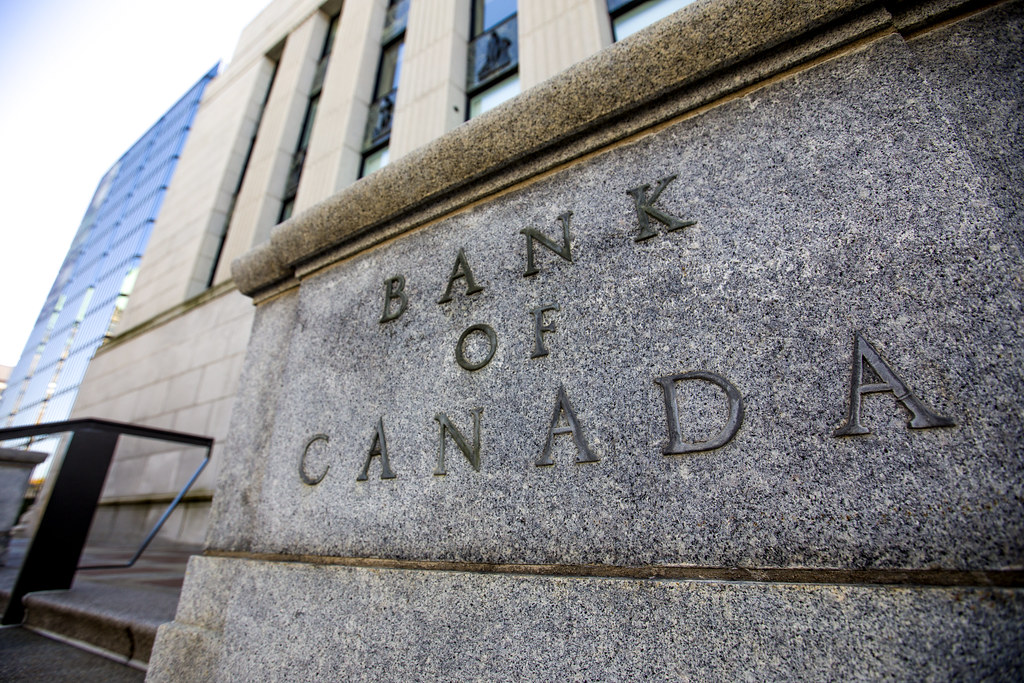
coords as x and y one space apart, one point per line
700 54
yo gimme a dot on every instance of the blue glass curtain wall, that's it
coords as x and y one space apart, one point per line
89 291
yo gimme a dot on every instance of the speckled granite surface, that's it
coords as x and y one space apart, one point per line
835 202
850 227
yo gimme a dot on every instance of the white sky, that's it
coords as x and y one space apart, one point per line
80 82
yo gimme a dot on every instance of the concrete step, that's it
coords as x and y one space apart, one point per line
118 620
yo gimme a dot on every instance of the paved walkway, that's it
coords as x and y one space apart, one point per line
159 566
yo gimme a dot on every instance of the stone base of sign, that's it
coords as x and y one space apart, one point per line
318 622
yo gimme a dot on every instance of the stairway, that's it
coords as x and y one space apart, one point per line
109 614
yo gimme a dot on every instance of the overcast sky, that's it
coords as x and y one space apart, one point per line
80 82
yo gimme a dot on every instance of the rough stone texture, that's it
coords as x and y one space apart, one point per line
982 99
843 198
297 622
252 421
15 470
878 191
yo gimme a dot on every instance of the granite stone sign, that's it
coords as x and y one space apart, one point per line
725 383
477 344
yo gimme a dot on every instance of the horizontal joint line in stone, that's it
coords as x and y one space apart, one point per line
1004 578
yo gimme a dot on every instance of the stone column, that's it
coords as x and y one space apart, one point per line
235 110
432 91
335 147
259 201
555 34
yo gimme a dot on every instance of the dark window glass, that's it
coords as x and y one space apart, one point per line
489 13
307 123
394 23
493 58
390 68
382 109
287 208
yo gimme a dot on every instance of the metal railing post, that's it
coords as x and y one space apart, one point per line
54 551
57 544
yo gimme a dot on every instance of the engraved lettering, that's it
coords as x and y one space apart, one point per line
394 288
864 352
572 426
379 448
644 209
460 270
676 445
471 451
531 235
539 350
492 345
303 474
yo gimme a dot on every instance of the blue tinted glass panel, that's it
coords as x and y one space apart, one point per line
644 15
107 287
54 348
73 370
26 415
59 406
112 234
94 327
490 13
36 391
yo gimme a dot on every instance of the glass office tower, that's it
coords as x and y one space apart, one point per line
98 273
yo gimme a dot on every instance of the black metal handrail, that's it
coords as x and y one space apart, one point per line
56 547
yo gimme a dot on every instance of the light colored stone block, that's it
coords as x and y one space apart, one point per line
760 193
183 389
194 419
555 34
259 199
809 226
15 469
431 100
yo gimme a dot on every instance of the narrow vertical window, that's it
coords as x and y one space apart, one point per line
229 214
492 74
291 186
382 107
629 16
